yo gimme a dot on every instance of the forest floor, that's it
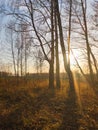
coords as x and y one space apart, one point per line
32 106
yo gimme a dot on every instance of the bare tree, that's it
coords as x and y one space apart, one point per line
80 18
39 37
86 38
67 67
11 26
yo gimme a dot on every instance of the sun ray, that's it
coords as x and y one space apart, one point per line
78 92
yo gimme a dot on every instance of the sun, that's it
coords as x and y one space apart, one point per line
72 59
74 56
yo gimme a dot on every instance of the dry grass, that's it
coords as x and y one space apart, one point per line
32 106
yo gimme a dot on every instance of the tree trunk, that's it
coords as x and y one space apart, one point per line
21 63
25 59
21 48
51 75
51 70
67 68
71 79
14 64
57 52
18 66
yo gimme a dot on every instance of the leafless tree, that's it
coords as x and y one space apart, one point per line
11 26
66 65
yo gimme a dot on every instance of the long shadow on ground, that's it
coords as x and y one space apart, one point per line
71 114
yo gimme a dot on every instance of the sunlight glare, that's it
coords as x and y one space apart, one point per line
72 59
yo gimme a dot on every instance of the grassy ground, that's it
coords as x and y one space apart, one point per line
32 106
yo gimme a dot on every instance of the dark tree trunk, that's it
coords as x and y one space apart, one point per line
67 68
51 75
51 70
18 66
57 52
71 79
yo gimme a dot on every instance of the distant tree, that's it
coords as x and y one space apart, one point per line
39 59
10 27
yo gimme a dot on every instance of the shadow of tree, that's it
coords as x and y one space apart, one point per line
70 115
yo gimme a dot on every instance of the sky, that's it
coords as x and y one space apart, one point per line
5 47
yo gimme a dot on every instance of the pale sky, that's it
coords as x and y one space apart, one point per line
5 51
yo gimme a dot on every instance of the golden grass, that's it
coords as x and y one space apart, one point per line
32 106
